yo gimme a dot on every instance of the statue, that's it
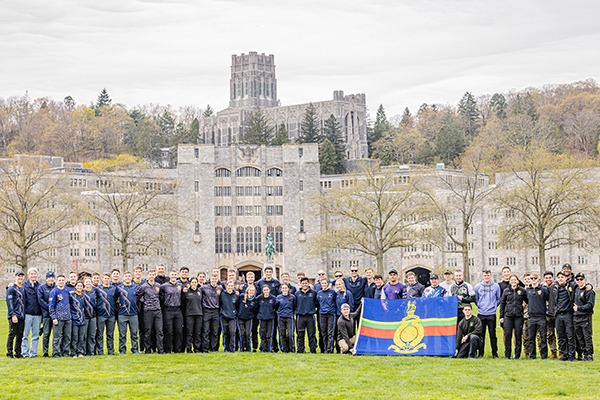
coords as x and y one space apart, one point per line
269 248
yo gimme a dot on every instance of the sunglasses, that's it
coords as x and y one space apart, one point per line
579 279
338 276
353 270
533 277
321 273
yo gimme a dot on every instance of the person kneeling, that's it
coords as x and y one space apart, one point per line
468 334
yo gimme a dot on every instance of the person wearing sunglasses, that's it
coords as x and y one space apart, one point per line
561 297
537 296
582 317
355 284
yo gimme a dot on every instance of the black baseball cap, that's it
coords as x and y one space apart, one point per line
19 273
560 273
448 272
393 271
567 265
580 275
433 276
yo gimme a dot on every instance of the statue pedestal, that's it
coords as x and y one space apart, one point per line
269 264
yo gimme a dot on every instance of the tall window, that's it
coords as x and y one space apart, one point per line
240 239
197 227
257 240
218 240
249 246
301 225
274 172
227 240
222 172
247 171
279 239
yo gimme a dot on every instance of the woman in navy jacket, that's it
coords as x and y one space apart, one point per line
247 309
266 316
286 305
511 315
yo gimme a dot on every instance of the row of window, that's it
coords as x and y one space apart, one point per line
240 211
248 239
90 236
246 171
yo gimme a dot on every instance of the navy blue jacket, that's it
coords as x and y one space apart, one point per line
584 299
149 295
266 307
59 304
357 288
248 309
343 298
126 299
537 298
211 296
171 294
32 307
273 284
228 304
15 301
292 289
285 306
91 299
326 300
105 301
370 290
306 302
77 302
43 293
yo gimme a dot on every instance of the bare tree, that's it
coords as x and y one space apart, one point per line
549 198
35 205
582 129
374 213
138 208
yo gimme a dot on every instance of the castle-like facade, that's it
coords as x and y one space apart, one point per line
253 84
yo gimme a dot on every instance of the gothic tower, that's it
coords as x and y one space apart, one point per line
253 82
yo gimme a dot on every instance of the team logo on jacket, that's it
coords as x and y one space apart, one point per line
539 292
59 297
179 287
518 292
157 289
410 333
581 294
570 289
218 291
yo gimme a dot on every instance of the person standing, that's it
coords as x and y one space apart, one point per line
210 314
43 294
414 288
33 315
274 285
15 302
128 314
193 317
582 317
565 296
137 282
266 316
90 316
393 289
435 290
511 314
250 281
537 297
161 278
170 293
448 281
327 310
342 296
355 284
487 298
228 312
286 305
550 318
106 315
306 302
468 334
60 311
77 303
464 291
247 309
149 295
285 279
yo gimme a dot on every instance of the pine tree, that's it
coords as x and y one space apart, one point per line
332 131
449 144
406 117
208 112
327 158
281 137
499 105
310 127
381 127
195 132
258 130
103 99
467 108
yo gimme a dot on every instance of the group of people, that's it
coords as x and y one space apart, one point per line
175 313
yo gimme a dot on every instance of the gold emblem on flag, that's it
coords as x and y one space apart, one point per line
410 333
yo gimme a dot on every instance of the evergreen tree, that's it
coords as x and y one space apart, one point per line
499 105
281 137
103 99
208 112
310 127
327 158
258 130
195 132
524 104
426 154
468 110
167 124
381 127
405 121
332 131
449 144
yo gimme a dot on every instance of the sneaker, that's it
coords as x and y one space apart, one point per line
10 356
553 355
564 358
80 356
572 359
46 356
588 358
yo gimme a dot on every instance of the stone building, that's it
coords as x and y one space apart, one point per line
253 84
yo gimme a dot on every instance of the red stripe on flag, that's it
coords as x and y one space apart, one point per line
442 330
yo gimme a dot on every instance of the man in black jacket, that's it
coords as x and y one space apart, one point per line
537 296
468 334
149 295
346 335
582 319
565 294
550 312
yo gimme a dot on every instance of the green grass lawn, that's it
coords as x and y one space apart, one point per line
274 376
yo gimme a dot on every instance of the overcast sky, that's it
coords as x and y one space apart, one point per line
400 53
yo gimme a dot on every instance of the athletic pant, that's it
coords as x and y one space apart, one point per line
286 330
255 325
583 333
132 321
141 329
321 338
153 320
32 324
266 335
173 329
489 322
327 321
47 327
228 326
551 332
245 332
566 335
90 328
210 330
15 337
511 323
109 324
61 339
306 323
194 333
78 340
470 347
537 324
183 344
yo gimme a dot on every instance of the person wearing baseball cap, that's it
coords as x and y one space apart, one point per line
43 294
448 281
435 290
567 270
394 288
15 301
562 297
582 317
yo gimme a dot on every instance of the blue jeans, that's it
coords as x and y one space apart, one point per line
32 323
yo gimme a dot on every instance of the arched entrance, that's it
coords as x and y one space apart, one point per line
242 271
422 274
